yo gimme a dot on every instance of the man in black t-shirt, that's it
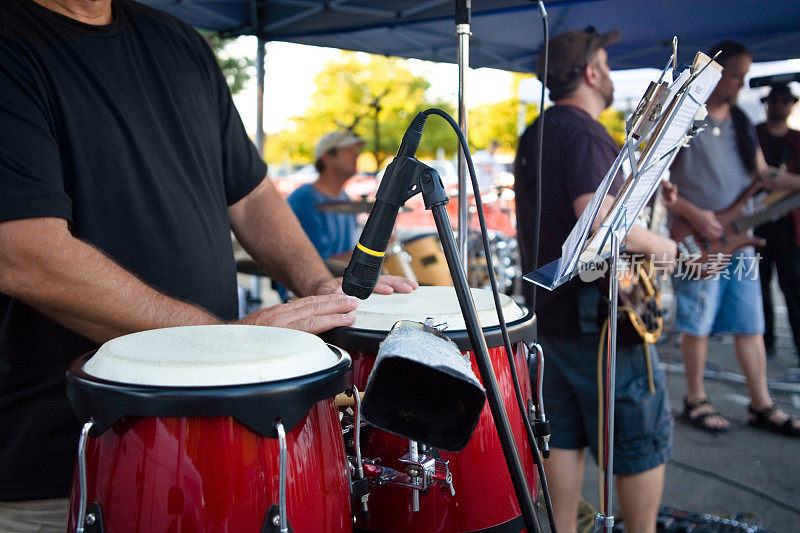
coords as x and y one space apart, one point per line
781 147
124 166
576 155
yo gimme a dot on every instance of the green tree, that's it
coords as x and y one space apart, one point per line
499 121
237 70
348 90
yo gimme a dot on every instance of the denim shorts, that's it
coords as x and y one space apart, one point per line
729 302
642 421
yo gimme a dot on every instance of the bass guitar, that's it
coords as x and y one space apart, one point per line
712 255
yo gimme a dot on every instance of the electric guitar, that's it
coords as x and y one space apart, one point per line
640 287
712 255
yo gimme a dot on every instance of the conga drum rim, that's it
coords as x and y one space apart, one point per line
256 405
521 326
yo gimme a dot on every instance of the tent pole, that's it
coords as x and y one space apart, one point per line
463 31
260 57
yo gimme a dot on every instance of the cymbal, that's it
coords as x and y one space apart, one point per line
351 207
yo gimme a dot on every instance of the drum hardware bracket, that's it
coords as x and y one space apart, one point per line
94 519
538 418
415 473
435 471
360 484
272 522
86 521
428 470
283 520
603 521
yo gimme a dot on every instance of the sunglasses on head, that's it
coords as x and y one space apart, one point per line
781 100
593 37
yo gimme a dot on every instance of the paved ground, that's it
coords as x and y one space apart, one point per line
746 472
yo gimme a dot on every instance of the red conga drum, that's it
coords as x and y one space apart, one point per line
484 496
210 428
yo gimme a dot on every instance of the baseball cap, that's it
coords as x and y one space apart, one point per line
780 91
336 139
569 53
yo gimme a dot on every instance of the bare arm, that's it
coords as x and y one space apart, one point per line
43 265
267 228
773 177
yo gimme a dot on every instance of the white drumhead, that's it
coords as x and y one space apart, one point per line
201 356
379 312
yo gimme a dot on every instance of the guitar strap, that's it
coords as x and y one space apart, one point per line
746 139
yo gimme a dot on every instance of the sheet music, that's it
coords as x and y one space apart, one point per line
682 109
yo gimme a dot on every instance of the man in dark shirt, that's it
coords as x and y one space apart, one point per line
781 147
123 168
577 153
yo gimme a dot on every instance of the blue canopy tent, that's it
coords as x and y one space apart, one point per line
507 34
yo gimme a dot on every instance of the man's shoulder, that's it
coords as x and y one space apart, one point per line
575 123
304 194
566 121
161 26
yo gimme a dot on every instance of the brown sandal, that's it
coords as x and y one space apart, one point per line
762 419
700 421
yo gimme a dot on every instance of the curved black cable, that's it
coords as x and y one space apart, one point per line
503 328
537 219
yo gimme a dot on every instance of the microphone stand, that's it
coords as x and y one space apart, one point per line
435 198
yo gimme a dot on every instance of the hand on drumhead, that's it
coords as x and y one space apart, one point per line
389 284
313 314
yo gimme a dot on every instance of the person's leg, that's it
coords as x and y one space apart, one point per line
564 470
765 273
769 257
564 381
740 314
695 353
752 359
642 437
787 260
640 497
697 302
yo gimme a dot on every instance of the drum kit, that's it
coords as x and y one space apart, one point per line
244 428
420 257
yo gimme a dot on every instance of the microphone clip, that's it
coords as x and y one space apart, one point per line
407 176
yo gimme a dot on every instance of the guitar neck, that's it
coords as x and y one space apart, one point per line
765 215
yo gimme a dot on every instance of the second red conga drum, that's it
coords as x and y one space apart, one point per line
484 496
185 435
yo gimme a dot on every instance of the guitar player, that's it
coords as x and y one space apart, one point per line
711 173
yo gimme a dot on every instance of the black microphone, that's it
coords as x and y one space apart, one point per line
775 79
364 268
